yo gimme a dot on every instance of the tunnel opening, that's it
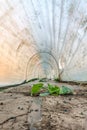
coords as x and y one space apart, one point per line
42 64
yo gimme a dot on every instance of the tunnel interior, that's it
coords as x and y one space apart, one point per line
43 39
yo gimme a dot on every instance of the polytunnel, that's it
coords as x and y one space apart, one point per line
43 64
43 38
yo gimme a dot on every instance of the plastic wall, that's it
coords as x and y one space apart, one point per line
43 38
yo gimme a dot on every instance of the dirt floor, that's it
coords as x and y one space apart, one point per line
19 111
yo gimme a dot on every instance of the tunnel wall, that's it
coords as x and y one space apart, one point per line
55 31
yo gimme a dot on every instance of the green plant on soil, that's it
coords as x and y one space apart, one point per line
36 88
41 90
65 90
52 89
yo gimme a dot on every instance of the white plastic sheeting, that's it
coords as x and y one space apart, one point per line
43 38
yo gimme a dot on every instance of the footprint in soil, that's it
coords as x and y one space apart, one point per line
34 113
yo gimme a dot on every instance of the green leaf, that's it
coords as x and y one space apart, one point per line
53 89
65 90
36 88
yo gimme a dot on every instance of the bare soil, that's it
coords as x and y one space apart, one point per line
53 113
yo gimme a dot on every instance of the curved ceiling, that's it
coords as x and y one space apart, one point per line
43 37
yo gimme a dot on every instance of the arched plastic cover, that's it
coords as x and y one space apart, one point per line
43 38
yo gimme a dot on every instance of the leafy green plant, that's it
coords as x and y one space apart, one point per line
41 90
52 89
65 90
36 88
